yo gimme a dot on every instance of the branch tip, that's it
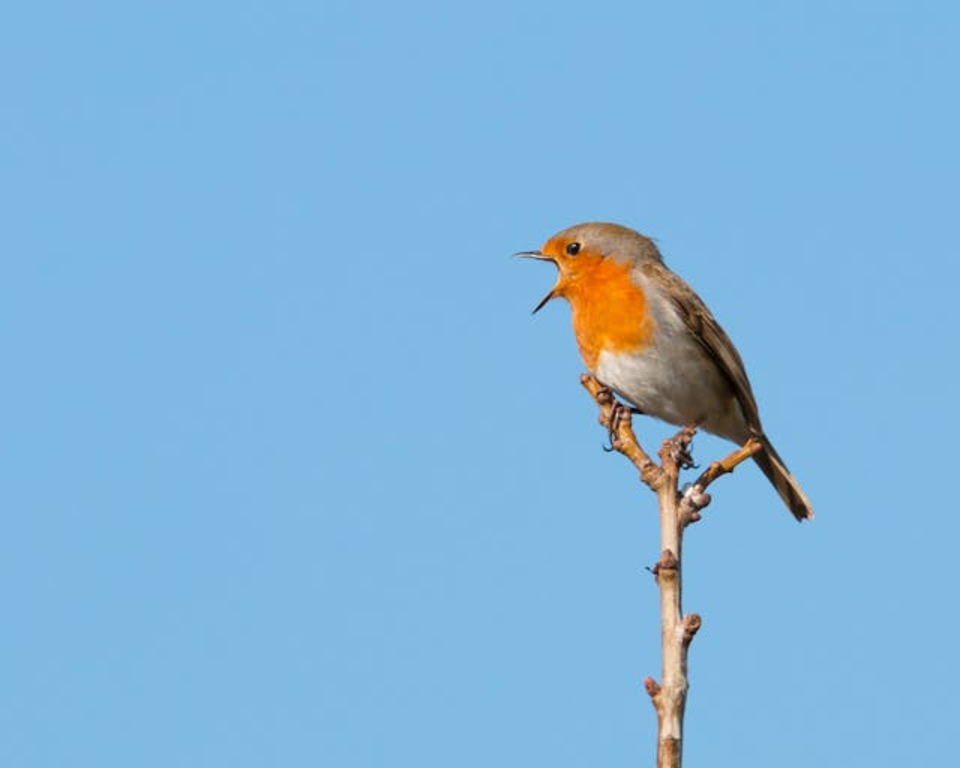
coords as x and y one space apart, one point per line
652 686
692 501
691 625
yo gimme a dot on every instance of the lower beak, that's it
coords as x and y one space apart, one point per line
540 257
543 301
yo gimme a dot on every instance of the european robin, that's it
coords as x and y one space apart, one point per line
646 335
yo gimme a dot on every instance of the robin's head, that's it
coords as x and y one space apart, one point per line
590 254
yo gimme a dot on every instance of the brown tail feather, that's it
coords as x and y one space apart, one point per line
777 473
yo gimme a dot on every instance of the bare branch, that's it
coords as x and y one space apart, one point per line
730 463
677 511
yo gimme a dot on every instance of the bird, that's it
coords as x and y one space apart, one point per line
647 336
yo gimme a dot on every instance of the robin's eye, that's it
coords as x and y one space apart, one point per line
573 249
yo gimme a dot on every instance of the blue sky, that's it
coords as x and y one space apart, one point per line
290 475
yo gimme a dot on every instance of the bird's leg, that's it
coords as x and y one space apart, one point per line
611 420
681 444
617 413
625 441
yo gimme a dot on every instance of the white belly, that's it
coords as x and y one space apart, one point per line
675 380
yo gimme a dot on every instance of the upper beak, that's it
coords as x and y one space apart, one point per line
533 255
541 257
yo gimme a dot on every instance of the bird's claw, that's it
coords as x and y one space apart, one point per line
618 413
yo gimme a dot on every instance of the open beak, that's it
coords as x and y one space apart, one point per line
540 257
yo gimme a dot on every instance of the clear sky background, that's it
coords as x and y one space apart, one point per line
290 476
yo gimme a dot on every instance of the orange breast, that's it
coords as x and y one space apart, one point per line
609 310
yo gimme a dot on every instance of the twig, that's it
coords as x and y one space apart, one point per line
677 511
695 497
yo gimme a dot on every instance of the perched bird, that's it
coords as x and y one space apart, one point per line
646 335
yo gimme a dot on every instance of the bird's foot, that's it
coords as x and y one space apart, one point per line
680 446
618 414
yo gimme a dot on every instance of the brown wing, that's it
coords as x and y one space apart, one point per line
717 344
711 336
